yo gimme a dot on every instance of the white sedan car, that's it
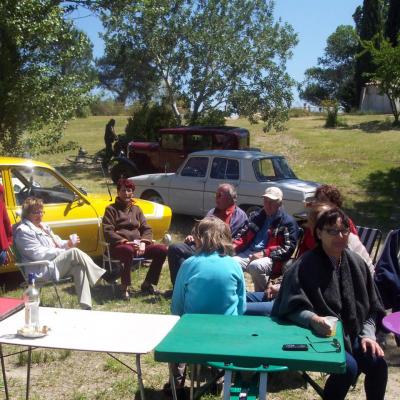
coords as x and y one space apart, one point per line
191 190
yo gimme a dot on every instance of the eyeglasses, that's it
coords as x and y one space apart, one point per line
336 232
332 343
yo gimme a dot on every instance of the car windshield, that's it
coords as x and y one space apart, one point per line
267 169
41 183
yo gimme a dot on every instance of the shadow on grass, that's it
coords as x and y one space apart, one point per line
382 209
81 172
374 126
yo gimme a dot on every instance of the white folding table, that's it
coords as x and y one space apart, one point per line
97 331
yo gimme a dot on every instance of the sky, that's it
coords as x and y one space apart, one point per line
312 20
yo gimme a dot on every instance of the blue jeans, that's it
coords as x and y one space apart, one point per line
374 368
257 304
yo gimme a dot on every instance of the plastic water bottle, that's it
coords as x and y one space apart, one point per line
32 300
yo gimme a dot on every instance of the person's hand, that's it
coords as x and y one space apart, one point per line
320 326
256 256
271 291
141 249
373 346
189 239
75 242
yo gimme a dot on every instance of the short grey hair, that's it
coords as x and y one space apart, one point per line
230 189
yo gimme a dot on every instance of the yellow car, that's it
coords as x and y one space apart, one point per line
68 209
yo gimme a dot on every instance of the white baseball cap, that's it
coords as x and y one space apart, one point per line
273 193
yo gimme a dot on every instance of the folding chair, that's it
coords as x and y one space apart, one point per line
241 389
22 266
109 263
371 239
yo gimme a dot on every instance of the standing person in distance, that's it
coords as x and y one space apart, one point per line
109 138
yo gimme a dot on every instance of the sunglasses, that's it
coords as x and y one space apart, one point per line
336 232
320 343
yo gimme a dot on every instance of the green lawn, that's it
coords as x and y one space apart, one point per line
361 159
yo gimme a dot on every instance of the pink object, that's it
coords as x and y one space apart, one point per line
392 322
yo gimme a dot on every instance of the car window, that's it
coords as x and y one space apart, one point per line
195 166
41 183
225 168
172 141
266 169
282 169
198 142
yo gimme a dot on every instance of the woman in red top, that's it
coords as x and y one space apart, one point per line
324 194
5 229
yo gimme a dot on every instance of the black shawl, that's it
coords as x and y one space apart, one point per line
347 292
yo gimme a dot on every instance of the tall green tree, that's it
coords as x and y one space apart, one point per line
387 72
218 54
45 74
333 78
370 26
392 29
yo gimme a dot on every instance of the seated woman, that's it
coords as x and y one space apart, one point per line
260 303
211 281
35 241
129 235
332 280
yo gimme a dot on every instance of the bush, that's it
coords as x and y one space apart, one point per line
298 112
332 109
147 120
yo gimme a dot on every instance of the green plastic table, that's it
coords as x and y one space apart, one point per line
249 341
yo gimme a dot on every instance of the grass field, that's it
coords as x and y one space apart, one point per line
360 158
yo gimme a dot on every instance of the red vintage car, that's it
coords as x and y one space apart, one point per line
173 146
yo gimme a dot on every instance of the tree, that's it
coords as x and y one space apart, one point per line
219 54
333 78
387 72
392 29
369 20
45 74
126 71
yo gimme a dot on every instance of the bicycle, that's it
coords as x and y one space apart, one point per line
83 158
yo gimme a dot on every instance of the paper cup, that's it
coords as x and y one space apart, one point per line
332 321
73 238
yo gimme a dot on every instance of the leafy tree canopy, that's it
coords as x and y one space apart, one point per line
333 78
218 54
45 74
387 71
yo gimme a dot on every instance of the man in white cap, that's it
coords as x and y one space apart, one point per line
268 241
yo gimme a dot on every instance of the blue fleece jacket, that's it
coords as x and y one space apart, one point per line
209 284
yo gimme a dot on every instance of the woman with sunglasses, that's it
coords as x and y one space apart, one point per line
331 280
35 241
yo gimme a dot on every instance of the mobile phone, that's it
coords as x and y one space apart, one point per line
295 347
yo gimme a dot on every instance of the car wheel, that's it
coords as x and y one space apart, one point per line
252 209
152 196
121 170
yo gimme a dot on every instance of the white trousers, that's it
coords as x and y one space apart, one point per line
259 269
84 271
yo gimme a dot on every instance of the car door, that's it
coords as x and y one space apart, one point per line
186 191
223 170
66 209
